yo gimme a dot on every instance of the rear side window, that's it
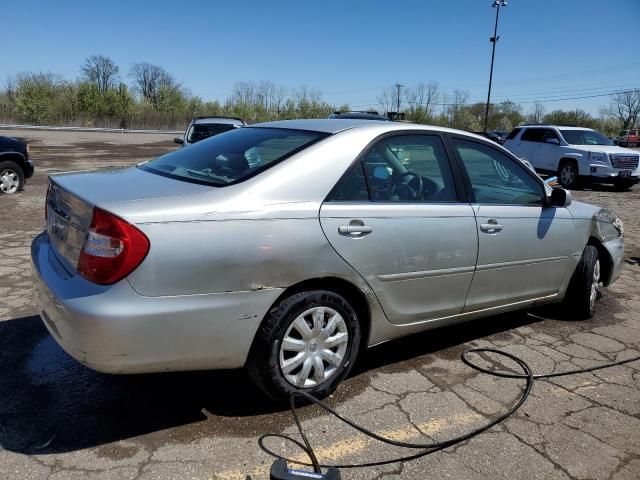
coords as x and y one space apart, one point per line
513 133
232 156
532 135
496 178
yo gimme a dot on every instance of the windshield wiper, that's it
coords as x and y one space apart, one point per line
201 174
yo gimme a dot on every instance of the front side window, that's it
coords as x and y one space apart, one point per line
548 134
232 156
496 178
513 133
584 137
402 168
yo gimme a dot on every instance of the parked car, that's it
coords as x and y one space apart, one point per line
356 115
205 127
575 155
15 165
195 260
628 138
493 136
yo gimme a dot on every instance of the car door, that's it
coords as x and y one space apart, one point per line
530 141
524 246
415 246
546 155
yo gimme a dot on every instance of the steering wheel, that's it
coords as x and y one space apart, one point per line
398 187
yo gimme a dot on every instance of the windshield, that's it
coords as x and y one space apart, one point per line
232 156
200 131
585 137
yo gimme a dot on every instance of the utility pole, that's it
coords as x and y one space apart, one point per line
398 87
496 4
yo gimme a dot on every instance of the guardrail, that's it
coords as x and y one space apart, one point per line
88 129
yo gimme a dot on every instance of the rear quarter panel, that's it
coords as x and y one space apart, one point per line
215 256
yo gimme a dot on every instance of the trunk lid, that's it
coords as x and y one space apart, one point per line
72 197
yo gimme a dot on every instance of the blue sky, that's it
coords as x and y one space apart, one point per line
350 50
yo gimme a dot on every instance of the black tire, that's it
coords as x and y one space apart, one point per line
9 168
263 364
571 176
622 186
580 298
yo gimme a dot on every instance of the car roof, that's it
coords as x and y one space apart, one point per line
214 119
554 126
335 125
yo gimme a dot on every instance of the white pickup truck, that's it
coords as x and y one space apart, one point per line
575 155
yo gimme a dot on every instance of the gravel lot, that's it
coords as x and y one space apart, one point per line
59 420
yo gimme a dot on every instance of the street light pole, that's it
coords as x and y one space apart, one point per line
496 4
398 87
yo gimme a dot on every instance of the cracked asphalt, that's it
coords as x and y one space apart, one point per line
60 420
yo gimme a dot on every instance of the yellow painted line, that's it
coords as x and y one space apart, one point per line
357 444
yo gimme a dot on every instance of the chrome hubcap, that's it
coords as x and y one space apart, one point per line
313 347
9 181
567 175
595 283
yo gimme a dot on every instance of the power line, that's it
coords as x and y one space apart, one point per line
539 100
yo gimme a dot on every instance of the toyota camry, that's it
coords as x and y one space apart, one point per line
288 247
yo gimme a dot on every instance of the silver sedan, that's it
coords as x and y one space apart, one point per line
288 247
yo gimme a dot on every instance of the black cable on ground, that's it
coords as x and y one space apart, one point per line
425 448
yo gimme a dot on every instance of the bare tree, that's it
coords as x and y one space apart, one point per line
625 107
101 71
387 99
422 99
537 113
150 80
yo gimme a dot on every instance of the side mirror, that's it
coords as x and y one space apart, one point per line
553 141
527 164
381 173
559 198
178 140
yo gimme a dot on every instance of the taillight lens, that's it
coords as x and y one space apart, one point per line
113 249
46 202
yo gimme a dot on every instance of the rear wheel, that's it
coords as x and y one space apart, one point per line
582 294
11 177
568 174
308 342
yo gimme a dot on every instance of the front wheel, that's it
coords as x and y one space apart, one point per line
568 175
622 186
308 342
11 178
582 293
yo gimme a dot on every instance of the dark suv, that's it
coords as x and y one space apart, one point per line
15 166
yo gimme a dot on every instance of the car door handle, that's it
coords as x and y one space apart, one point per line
492 226
354 229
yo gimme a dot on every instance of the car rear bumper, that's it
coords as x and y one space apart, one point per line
113 329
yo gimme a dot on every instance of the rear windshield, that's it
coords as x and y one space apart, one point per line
232 156
585 137
200 131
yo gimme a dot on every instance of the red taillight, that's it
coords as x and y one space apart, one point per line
46 202
112 250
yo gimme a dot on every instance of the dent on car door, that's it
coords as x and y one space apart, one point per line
395 218
524 247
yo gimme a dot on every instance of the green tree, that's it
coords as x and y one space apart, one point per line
574 118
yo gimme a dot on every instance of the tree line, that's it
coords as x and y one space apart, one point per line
427 103
148 96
